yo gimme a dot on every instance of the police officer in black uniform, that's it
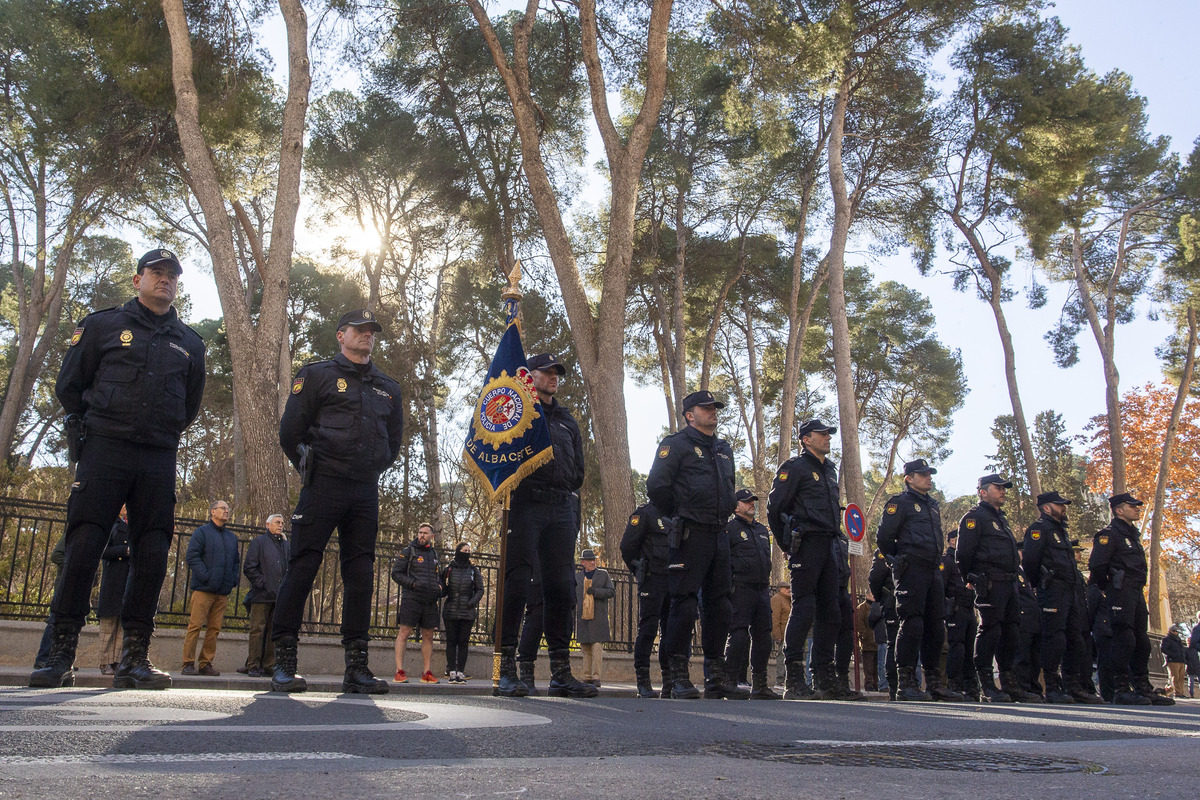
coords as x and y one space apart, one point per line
961 624
544 520
1027 664
883 587
803 512
691 483
988 558
750 628
131 382
910 531
1118 566
843 650
1048 556
644 550
341 428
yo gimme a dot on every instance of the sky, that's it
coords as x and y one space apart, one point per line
1155 45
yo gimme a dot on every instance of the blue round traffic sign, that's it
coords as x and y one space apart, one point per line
856 524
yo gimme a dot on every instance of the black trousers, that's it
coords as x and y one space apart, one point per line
533 624
844 643
458 637
749 629
112 473
815 605
1000 620
1028 661
699 564
541 536
921 607
961 629
1130 650
352 507
654 607
892 624
1063 621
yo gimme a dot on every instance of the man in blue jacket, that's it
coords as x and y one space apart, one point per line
212 557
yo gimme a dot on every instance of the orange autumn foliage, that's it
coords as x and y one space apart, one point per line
1146 413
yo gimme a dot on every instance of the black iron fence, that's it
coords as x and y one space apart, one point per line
29 530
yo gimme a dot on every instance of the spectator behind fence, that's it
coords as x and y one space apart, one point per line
265 564
113 578
212 557
462 584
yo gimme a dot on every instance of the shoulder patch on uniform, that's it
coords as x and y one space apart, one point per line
664 451
783 475
879 555
892 508
970 524
1035 535
634 520
297 385
941 567
1103 540
76 336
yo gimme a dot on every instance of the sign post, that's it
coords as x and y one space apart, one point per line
856 529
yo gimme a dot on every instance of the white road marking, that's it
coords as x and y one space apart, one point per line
166 758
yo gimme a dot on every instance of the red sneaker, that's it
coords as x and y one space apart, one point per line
401 677
428 677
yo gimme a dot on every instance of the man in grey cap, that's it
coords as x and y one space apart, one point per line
131 382
341 428
691 483
1048 558
804 513
988 559
910 532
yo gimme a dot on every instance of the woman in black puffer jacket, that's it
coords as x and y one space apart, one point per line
462 586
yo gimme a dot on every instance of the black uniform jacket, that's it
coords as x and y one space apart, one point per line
564 472
882 585
986 545
911 526
692 477
805 491
1118 548
956 585
749 551
1047 554
351 417
645 540
133 375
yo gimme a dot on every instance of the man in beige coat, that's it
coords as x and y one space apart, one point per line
593 588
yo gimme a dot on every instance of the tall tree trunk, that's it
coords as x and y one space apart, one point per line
599 336
714 325
254 348
1160 604
843 369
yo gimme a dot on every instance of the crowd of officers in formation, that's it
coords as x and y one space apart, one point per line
132 380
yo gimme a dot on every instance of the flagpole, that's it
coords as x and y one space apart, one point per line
512 304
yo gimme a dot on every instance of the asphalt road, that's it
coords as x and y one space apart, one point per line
91 743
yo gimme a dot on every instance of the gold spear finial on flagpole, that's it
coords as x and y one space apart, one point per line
511 292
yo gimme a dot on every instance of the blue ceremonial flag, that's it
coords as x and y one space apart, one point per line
508 438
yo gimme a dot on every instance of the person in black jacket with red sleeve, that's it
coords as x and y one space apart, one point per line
341 429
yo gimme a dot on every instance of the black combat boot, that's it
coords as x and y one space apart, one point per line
795 684
988 690
562 682
1082 694
665 694
526 670
824 682
284 677
935 687
510 685
1158 697
843 690
909 691
59 667
681 680
1123 695
760 688
644 689
719 685
135 670
1010 684
358 678
1055 693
